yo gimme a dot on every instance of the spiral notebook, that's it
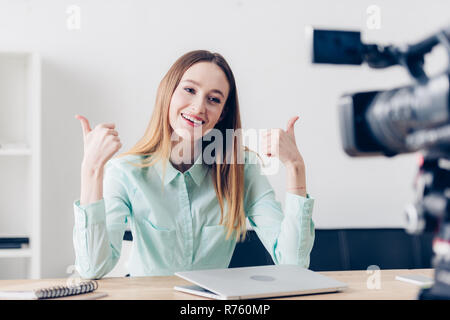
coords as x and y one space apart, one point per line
54 292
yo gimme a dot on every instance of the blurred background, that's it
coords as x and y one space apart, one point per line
104 59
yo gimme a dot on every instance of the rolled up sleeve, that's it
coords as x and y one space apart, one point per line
288 236
99 228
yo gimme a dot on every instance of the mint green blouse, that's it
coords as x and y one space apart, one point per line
175 226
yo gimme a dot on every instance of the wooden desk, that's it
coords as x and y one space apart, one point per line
146 288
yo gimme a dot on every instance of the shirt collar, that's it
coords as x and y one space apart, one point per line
197 171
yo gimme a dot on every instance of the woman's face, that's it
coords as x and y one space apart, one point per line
201 96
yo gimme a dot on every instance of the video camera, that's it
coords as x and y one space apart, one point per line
401 120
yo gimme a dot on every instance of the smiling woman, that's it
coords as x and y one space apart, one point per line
185 215
200 86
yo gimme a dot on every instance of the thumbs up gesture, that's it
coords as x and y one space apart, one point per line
281 144
100 143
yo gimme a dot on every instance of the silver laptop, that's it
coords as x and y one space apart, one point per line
257 282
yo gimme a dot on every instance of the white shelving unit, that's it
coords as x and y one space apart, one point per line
15 152
20 156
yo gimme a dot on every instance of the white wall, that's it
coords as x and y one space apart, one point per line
109 71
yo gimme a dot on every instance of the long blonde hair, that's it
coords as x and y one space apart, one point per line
228 178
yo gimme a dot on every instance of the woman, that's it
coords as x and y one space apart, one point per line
184 213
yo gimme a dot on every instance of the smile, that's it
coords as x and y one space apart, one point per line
192 121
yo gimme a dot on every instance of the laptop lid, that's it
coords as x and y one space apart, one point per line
258 282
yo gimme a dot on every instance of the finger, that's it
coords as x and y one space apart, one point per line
290 125
117 144
106 125
113 132
108 131
111 137
84 124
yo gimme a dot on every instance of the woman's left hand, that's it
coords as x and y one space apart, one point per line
281 144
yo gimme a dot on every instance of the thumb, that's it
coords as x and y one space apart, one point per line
84 124
290 125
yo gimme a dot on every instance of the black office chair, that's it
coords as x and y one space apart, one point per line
346 249
327 253
357 249
349 249
251 252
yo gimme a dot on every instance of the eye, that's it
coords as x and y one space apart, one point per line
191 90
215 100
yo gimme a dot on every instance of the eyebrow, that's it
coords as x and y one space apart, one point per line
198 84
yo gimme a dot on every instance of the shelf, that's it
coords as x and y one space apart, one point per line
15 152
15 253
20 159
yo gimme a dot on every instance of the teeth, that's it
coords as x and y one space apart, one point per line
192 119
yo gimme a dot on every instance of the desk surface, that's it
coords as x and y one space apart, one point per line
145 288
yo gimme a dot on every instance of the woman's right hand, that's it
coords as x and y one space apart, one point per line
100 143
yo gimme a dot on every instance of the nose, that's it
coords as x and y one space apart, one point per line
199 106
